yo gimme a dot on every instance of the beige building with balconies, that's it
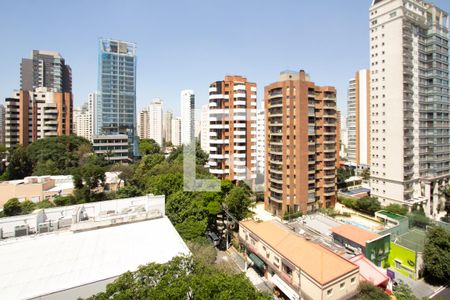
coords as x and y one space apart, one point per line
299 269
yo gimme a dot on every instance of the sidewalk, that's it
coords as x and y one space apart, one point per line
419 287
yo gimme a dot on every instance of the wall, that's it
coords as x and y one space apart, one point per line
403 254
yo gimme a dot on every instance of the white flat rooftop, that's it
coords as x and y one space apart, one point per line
38 265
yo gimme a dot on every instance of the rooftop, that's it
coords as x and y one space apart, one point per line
83 244
49 263
369 272
355 234
317 261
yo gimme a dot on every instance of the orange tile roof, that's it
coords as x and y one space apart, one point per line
355 234
318 262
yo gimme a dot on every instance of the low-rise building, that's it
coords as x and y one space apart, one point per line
299 269
373 246
36 188
73 252
113 147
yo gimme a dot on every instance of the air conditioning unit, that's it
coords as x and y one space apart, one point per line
43 227
21 230
63 223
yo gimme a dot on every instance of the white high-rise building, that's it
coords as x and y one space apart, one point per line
176 131
142 124
260 141
187 106
83 118
204 131
358 118
167 126
155 121
410 136
344 138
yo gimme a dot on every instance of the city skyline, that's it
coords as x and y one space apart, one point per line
200 33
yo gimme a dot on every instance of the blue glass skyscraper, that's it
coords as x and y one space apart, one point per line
116 104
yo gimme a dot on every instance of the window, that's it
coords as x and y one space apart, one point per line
353 280
342 285
330 292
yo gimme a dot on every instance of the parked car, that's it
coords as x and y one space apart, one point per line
213 238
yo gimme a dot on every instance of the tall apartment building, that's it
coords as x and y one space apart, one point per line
187 106
45 69
155 121
43 105
204 131
410 144
301 142
358 119
176 131
92 106
232 114
81 122
343 152
260 141
167 126
32 115
83 118
142 124
2 124
116 104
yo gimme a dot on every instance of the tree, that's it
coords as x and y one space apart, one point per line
178 278
396 209
436 256
365 174
149 146
19 165
403 292
368 205
45 204
64 152
47 167
165 184
238 202
27 207
367 291
12 207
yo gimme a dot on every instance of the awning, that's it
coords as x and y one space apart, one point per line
258 261
285 288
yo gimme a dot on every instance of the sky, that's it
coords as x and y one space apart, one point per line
188 44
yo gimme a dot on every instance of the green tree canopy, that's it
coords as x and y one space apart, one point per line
148 146
19 165
367 291
396 209
12 207
436 256
238 202
181 278
58 155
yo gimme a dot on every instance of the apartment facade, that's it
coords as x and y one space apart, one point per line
298 268
114 147
2 124
187 107
32 115
142 124
260 141
116 104
232 115
167 126
45 69
176 131
410 145
358 119
204 131
301 145
83 118
155 121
